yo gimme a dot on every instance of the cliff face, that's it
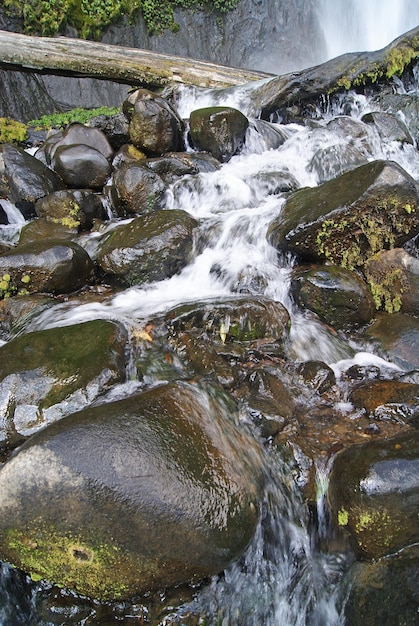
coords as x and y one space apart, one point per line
272 35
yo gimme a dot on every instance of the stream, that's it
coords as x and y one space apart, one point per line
290 574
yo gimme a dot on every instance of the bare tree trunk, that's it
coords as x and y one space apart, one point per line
78 57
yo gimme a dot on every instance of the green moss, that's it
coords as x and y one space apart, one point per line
61 120
91 567
12 131
91 17
343 517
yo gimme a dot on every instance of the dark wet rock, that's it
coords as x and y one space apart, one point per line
17 313
392 400
72 208
389 127
76 134
24 179
218 130
242 319
127 153
348 219
140 494
340 297
374 494
201 359
272 134
43 229
47 266
151 247
317 375
50 373
137 189
398 336
115 127
393 277
400 104
335 160
384 592
273 183
154 127
170 167
81 166
3 216
200 162
269 400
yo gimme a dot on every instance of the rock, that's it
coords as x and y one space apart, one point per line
384 592
340 297
272 134
76 134
135 495
47 266
42 229
81 166
350 218
398 335
24 179
389 127
317 375
241 319
374 494
393 400
151 247
137 189
393 277
155 128
72 208
114 127
47 374
218 130
335 160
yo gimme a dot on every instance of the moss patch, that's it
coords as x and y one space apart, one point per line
12 131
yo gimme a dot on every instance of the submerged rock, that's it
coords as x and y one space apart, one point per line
374 494
350 218
158 489
398 335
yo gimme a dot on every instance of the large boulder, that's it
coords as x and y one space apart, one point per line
350 218
47 374
155 127
53 266
374 494
24 179
76 134
81 166
218 130
151 247
143 493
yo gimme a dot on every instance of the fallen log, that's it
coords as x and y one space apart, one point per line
77 57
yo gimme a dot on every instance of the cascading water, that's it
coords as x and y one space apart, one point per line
358 25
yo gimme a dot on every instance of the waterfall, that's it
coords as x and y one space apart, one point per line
364 25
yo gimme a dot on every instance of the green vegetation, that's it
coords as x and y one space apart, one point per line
61 120
12 131
91 17
9 288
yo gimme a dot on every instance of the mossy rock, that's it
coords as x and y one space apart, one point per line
143 493
374 494
242 319
49 373
218 130
350 218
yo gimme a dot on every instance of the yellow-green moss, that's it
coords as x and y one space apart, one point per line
12 131
61 120
343 517
95 569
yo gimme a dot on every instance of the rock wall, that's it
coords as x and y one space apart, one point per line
272 35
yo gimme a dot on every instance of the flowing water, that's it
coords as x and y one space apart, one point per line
358 25
289 575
